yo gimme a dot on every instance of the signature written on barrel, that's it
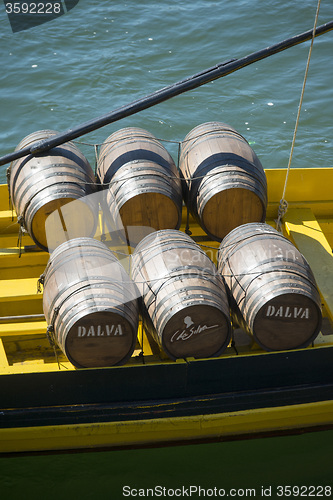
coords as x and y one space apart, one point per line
190 330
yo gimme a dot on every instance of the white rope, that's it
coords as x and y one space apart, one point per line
283 202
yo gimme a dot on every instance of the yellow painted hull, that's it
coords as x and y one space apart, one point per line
163 431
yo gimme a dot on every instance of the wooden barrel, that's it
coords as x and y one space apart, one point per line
91 303
184 296
273 291
144 189
44 184
225 184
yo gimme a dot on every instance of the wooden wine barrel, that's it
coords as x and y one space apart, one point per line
273 291
42 185
225 184
91 303
144 189
186 305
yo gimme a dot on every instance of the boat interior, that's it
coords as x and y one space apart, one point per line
24 343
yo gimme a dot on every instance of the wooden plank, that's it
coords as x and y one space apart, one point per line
8 223
3 357
327 228
18 288
36 366
303 228
8 241
31 263
304 184
28 328
4 197
19 297
307 188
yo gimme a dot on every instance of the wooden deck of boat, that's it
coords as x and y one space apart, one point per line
24 346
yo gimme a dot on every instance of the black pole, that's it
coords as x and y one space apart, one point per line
163 94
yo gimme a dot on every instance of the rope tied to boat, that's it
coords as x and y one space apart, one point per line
50 334
282 210
96 148
10 203
188 200
21 233
283 207
40 283
52 341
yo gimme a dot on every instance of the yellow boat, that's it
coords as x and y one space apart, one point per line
47 405
245 423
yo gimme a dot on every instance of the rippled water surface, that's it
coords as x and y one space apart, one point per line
104 54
